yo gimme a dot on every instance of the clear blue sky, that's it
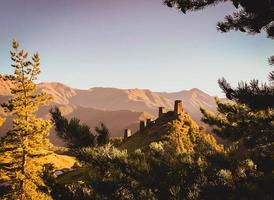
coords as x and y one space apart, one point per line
131 44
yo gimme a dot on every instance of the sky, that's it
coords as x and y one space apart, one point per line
131 44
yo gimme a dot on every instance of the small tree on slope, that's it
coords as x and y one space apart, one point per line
103 134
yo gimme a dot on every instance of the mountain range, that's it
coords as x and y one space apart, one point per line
117 108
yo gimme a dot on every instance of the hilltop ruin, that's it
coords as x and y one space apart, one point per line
176 113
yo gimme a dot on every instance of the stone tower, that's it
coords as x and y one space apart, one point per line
142 125
178 107
127 133
148 121
161 111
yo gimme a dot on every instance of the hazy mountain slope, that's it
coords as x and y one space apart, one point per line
116 121
61 93
4 87
119 99
106 98
125 99
98 104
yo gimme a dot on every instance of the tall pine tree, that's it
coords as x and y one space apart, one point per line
27 140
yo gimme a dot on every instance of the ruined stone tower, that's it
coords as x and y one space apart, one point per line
148 121
142 125
127 133
178 107
161 111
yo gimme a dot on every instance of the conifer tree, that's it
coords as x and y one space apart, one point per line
251 16
239 123
27 140
103 134
72 132
254 94
251 149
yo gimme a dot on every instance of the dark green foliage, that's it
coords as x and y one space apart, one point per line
251 154
60 122
75 134
271 62
103 134
162 174
166 169
67 192
159 171
242 181
239 123
251 16
256 96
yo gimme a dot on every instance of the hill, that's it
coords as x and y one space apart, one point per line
176 127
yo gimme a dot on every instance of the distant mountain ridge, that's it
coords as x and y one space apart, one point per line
118 108
120 99
140 100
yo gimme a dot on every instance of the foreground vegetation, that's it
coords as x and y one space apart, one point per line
176 159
